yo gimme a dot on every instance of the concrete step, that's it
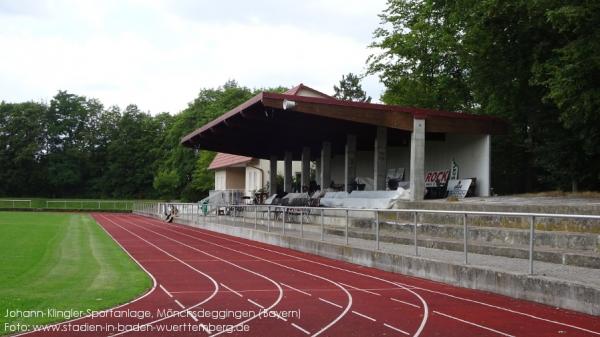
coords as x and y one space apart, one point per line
587 259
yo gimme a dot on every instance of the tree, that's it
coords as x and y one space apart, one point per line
165 182
22 128
532 63
350 89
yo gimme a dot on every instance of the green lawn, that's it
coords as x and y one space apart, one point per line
61 261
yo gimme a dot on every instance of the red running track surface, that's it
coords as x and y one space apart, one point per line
206 283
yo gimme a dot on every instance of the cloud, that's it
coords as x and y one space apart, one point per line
158 54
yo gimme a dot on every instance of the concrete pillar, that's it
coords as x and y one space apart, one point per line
483 182
287 172
325 165
350 162
318 170
417 160
380 160
305 180
272 175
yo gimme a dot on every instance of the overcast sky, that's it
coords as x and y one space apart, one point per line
159 53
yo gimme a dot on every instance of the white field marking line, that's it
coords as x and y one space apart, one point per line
154 284
326 301
193 316
216 286
348 295
407 303
300 328
394 328
298 290
474 324
280 317
165 290
405 287
363 290
399 284
230 263
256 304
364 316
233 291
179 304
510 310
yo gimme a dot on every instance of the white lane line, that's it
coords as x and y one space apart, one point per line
506 309
473 324
192 316
233 291
214 282
256 304
298 290
179 304
280 317
326 301
165 290
363 290
300 328
324 328
407 303
364 316
279 298
394 328
406 287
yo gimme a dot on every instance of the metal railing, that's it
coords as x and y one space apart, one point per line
16 203
89 204
307 221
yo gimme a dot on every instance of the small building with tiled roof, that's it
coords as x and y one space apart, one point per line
246 174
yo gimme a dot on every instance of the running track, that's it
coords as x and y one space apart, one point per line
197 271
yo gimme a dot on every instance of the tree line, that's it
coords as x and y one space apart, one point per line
74 146
535 63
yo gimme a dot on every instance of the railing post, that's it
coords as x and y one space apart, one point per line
531 242
466 237
283 220
301 224
377 230
322 225
268 218
255 217
347 225
415 233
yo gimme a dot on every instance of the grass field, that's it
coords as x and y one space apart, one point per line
61 261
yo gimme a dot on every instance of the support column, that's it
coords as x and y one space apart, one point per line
417 160
287 172
483 183
305 179
325 165
318 170
272 175
380 160
350 162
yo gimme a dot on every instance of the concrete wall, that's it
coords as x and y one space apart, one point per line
471 153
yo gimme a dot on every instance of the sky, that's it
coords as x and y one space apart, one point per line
158 54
